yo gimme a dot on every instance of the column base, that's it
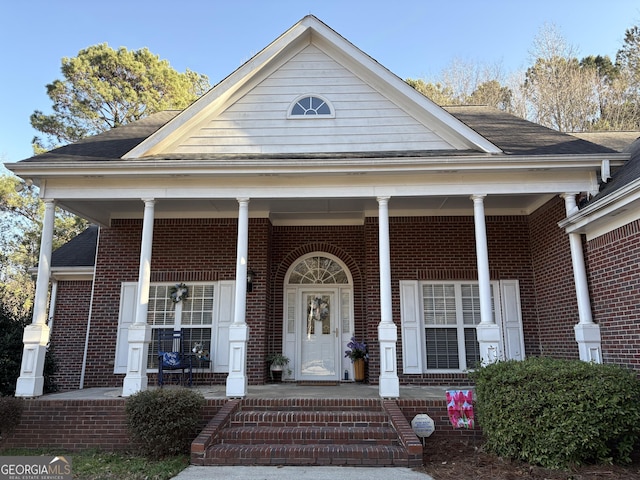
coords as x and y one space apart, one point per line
136 380
489 340
31 380
589 342
237 382
389 384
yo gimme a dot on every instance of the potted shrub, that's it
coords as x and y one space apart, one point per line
277 363
359 355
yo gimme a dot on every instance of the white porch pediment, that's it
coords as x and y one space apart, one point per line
246 113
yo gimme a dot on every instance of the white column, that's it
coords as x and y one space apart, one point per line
239 331
587 332
36 336
389 384
139 334
487 331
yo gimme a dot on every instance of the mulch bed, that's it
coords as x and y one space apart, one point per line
447 459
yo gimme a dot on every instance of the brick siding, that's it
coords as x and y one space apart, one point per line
533 250
614 280
77 425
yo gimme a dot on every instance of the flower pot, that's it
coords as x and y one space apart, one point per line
358 369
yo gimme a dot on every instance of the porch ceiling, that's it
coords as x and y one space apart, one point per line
304 211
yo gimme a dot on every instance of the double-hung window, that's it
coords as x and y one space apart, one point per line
451 312
193 315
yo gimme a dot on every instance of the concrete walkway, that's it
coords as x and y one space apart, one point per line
299 473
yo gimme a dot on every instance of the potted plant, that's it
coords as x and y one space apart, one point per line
277 363
358 354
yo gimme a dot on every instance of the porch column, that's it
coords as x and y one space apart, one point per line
587 332
238 330
387 330
139 335
36 336
487 331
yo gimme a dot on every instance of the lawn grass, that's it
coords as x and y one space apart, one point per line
99 465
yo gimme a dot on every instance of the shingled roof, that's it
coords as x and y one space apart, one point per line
80 251
514 135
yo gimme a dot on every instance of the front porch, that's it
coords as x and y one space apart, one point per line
368 430
343 390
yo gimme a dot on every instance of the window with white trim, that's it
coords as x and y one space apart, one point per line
439 320
451 312
206 314
310 106
193 315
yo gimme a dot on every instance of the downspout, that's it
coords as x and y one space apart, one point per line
52 304
86 339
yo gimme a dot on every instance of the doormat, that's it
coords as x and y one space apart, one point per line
318 384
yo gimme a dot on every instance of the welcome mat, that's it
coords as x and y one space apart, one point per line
318 384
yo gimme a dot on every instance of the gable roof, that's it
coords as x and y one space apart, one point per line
191 126
513 135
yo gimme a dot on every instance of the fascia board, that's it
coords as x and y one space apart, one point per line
608 206
259 166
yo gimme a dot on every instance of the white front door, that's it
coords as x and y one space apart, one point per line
320 335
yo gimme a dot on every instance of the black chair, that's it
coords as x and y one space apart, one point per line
173 356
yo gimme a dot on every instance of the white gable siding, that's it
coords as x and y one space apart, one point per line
365 120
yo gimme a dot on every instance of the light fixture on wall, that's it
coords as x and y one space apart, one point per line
251 275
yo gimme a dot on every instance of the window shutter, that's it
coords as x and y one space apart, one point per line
512 320
226 301
125 318
411 327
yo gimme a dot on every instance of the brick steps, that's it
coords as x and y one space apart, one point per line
308 432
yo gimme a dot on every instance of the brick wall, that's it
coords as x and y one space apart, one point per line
555 292
613 261
69 330
77 425
532 250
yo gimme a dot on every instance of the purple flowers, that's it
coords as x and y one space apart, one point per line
356 350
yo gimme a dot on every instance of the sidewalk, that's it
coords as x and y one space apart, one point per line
299 473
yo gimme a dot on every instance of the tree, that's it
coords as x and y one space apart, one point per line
562 94
21 214
492 93
436 92
105 88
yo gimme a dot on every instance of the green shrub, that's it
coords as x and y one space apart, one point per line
558 413
10 414
163 422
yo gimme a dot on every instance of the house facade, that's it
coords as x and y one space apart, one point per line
313 196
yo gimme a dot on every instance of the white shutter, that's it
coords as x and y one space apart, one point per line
226 295
125 318
412 330
512 333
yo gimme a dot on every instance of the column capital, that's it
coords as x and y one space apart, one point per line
148 201
243 200
478 197
383 199
570 204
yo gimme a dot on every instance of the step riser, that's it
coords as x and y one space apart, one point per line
307 432
310 435
305 419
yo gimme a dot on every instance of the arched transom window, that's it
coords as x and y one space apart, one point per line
310 106
318 270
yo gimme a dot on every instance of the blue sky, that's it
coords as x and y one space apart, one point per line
414 39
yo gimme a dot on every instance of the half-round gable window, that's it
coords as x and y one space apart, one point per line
311 106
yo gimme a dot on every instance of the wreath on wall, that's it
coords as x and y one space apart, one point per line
179 292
